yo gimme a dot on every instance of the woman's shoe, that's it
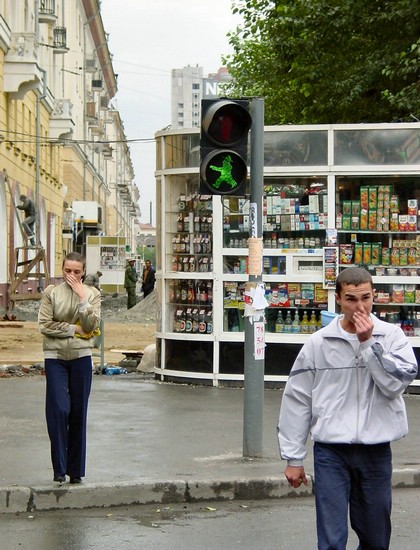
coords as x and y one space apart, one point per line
60 479
75 480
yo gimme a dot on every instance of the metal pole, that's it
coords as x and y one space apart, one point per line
254 364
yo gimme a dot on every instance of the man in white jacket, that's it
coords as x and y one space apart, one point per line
345 390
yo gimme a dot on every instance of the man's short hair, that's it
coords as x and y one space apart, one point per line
352 276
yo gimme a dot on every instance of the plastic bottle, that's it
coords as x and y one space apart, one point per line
288 322
312 323
296 324
279 322
115 370
305 323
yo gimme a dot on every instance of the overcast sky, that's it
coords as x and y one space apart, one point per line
149 38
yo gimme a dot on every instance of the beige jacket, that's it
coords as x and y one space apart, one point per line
59 313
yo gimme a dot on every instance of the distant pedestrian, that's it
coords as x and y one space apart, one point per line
92 279
28 206
130 281
69 318
149 278
345 389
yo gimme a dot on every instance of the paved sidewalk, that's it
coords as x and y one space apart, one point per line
154 442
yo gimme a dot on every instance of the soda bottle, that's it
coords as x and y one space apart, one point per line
195 320
191 292
209 321
202 326
188 320
312 323
182 320
184 292
305 323
288 322
279 322
296 324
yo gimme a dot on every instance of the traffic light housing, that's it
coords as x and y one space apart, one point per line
225 125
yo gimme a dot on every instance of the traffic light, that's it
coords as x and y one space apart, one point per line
225 125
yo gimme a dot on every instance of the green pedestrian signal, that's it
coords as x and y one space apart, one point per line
225 126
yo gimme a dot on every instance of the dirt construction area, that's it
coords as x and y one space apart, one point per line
21 341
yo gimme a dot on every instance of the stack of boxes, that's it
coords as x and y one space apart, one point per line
287 214
378 210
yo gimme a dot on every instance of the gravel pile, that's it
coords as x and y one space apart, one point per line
114 308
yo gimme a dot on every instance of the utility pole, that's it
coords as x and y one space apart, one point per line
254 297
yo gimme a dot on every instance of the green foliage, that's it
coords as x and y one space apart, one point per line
336 61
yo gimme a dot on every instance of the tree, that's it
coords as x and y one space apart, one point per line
335 61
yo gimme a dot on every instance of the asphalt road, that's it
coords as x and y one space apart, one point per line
284 524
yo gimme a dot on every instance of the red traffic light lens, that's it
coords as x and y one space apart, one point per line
226 123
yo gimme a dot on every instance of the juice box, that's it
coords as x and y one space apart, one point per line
367 253
364 197
412 207
346 208
372 217
358 253
347 222
376 253
364 219
373 197
386 256
395 256
355 209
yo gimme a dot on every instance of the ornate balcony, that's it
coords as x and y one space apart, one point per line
47 12
61 122
60 40
21 71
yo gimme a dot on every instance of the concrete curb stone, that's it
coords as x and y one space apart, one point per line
26 499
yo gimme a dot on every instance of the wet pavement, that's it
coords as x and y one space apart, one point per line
155 442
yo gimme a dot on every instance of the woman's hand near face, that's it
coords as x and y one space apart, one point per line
77 285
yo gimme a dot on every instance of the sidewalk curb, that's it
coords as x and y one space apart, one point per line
31 499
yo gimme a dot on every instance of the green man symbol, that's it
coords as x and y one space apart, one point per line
225 173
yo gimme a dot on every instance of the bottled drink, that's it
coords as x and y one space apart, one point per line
209 321
305 323
188 321
175 322
296 324
194 320
288 322
202 326
182 320
202 293
279 322
312 323
191 292
184 292
417 324
115 370
209 292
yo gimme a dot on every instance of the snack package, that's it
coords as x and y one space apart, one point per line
346 253
397 294
410 294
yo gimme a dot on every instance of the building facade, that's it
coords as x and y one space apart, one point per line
189 87
62 144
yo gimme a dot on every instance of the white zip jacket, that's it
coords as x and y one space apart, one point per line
341 396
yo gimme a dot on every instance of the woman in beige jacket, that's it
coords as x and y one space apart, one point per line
69 319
